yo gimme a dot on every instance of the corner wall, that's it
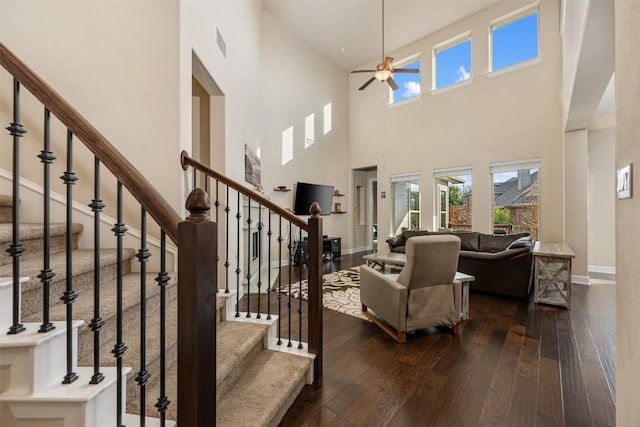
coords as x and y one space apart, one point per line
627 34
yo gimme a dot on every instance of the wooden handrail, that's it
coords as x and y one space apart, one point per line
185 160
120 167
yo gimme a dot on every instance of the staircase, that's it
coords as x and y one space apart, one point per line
255 385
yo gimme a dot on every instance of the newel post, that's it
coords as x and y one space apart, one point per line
314 261
197 285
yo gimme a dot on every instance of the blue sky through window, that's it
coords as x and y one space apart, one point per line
515 42
409 84
453 64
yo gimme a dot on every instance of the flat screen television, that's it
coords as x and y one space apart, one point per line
306 194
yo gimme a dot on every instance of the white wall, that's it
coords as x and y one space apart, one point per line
296 81
602 201
510 116
627 33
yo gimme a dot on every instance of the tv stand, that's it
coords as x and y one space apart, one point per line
331 249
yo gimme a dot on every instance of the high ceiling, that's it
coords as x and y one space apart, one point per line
350 31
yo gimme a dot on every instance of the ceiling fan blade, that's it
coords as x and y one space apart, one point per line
387 62
363 71
406 70
364 86
392 83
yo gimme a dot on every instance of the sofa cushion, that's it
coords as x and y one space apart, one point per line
497 243
469 240
407 234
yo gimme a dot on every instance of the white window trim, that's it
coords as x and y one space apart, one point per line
410 176
514 67
460 38
455 171
515 165
506 20
452 86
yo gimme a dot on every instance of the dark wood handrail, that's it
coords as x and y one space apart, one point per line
120 167
185 160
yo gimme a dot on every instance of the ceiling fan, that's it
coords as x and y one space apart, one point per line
384 71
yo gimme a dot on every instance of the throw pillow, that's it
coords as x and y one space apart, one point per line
407 234
496 243
469 240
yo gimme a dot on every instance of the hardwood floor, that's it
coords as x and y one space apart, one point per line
515 363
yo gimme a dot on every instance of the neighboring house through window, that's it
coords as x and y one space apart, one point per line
516 206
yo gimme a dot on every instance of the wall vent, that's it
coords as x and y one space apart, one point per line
221 43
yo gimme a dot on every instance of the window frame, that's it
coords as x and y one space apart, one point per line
410 178
442 46
508 19
401 64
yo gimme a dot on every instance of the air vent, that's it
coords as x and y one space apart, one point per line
221 43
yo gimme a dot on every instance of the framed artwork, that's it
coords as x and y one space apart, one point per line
251 166
625 179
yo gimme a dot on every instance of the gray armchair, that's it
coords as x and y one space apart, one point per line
423 295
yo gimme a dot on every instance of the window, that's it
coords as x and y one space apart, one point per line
452 61
405 191
327 119
453 209
309 131
514 39
287 145
408 83
516 205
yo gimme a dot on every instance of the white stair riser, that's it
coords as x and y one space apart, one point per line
99 411
6 304
31 368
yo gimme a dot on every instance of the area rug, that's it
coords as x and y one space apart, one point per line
341 291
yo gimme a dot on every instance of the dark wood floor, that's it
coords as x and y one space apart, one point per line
515 363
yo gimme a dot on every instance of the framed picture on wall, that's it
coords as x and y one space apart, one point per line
251 166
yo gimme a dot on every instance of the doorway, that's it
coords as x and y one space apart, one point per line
365 208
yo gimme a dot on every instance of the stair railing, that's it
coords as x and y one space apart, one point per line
261 275
196 238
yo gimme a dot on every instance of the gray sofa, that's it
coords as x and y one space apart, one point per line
501 264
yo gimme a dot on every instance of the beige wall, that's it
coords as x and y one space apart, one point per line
602 201
627 16
509 116
115 62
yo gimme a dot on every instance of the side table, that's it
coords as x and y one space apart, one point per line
552 273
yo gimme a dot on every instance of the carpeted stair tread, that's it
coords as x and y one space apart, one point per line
276 378
238 343
6 205
82 263
32 239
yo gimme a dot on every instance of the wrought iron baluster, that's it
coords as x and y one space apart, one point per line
46 274
300 295
259 248
143 256
249 256
291 257
119 348
227 209
97 322
217 204
238 271
280 281
269 290
162 279
206 183
16 249
69 295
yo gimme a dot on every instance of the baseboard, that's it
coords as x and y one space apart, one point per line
602 272
580 280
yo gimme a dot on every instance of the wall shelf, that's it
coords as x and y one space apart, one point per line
341 212
281 189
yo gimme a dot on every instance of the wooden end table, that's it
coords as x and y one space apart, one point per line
552 273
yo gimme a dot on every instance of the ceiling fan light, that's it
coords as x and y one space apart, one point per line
383 75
